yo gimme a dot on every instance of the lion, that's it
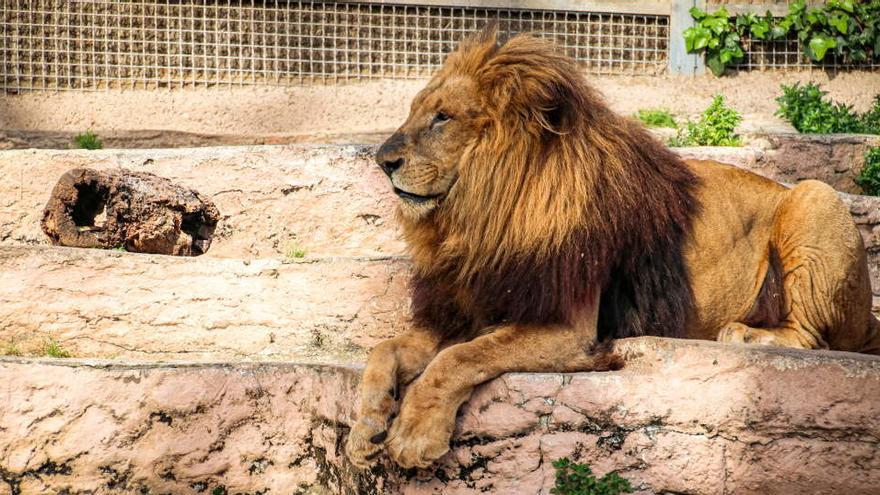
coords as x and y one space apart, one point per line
541 224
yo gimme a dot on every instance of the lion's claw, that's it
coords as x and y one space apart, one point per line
362 447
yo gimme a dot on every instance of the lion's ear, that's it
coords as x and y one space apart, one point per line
527 79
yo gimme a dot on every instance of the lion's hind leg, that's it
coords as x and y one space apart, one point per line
826 292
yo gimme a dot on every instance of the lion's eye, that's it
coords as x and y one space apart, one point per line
440 118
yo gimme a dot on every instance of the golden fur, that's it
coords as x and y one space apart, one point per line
540 224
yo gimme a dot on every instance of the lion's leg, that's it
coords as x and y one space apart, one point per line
826 294
391 365
421 433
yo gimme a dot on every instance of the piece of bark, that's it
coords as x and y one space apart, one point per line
139 211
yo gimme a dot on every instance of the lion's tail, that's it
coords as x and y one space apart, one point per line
872 344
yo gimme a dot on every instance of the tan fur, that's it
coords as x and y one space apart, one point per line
494 172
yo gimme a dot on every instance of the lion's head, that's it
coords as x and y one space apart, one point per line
522 194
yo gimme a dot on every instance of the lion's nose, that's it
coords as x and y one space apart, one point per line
389 155
389 166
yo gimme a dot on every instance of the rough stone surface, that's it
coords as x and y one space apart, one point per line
330 200
680 417
142 212
835 159
325 200
127 305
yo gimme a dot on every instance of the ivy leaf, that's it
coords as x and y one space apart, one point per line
778 32
846 5
716 65
697 14
696 38
820 44
759 30
841 22
716 24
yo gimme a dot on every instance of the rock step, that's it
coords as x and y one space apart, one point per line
99 303
333 200
112 304
758 420
324 200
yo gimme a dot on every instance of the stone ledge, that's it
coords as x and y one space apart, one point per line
100 303
744 420
111 304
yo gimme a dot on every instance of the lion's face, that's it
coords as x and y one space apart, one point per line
422 157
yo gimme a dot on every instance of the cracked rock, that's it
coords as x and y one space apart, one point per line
138 211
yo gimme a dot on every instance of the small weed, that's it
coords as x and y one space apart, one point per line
714 128
578 479
52 348
12 350
87 141
869 178
657 117
295 252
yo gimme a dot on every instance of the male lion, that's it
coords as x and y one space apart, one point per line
541 223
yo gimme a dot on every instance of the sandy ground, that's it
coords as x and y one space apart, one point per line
377 107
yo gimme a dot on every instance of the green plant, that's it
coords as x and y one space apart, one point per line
715 35
87 141
870 120
809 111
578 479
715 127
850 29
12 350
657 117
869 178
296 252
52 348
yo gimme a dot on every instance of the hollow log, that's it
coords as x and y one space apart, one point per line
138 211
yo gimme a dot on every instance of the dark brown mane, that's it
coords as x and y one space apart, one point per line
559 199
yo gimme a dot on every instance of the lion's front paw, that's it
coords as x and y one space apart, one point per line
738 333
420 435
364 443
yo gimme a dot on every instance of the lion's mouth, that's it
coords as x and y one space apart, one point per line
415 198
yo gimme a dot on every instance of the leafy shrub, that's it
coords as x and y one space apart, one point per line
657 117
869 178
850 29
809 111
871 119
578 479
714 128
87 141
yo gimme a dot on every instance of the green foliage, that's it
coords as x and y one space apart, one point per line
295 252
657 117
871 119
850 29
809 111
11 350
578 479
87 141
716 36
714 128
869 178
52 348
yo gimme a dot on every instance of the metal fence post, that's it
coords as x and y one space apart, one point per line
680 61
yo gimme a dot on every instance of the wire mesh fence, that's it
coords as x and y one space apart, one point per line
54 44
788 54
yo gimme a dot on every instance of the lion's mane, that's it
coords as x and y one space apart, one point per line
559 198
